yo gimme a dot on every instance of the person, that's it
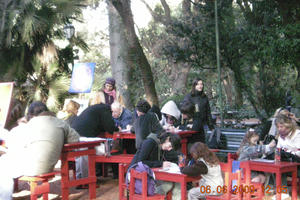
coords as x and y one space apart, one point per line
70 112
206 164
170 116
93 121
202 113
151 154
146 123
39 141
15 113
249 149
122 116
269 129
288 141
108 94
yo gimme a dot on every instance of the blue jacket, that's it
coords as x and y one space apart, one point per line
124 119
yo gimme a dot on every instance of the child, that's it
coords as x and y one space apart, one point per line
207 165
249 149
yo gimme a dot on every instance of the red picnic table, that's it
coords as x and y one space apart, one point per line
128 135
69 152
276 167
175 177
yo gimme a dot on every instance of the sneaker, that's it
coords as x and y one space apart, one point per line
283 196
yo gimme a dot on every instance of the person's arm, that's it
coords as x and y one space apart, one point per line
127 119
208 117
195 169
155 125
248 152
70 134
146 150
108 122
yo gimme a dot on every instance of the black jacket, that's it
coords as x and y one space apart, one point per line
94 120
149 153
144 125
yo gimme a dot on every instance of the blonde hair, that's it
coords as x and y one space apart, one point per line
72 107
288 123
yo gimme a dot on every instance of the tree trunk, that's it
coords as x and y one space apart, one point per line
227 82
118 56
136 54
179 75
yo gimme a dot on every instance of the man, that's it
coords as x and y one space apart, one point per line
122 116
146 123
34 147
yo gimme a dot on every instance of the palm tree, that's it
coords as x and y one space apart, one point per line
27 32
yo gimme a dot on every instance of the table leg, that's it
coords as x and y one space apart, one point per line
64 178
278 185
183 189
294 184
248 180
92 173
184 146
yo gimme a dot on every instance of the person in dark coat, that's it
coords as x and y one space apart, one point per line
147 122
94 120
151 153
91 122
202 110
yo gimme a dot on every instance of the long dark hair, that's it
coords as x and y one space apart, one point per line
194 92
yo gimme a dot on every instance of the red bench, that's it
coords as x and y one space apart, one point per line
39 185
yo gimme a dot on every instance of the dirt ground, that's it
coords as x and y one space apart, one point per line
108 190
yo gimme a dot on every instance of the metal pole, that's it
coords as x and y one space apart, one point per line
218 65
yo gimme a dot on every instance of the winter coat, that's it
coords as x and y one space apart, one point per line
124 119
94 120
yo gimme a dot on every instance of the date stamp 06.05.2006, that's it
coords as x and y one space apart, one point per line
242 189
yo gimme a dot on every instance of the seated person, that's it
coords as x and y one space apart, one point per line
123 119
145 123
249 149
122 116
206 164
150 153
170 116
70 112
33 148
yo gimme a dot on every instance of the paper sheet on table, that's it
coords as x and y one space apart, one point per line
262 160
174 168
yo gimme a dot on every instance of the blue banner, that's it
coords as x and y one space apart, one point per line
82 78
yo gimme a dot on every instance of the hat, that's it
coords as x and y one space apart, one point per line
110 81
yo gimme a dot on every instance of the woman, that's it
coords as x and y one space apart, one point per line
170 116
289 135
108 94
202 113
206 164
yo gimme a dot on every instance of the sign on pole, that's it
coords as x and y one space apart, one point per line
82 78
5 94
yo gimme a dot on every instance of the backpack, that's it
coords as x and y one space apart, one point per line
140 167
216 140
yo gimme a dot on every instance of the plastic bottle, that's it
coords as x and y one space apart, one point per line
277 156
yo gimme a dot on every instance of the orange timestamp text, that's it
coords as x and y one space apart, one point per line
236 189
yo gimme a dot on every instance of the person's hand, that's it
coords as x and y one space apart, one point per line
119 127
128 127
166 164
272 144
